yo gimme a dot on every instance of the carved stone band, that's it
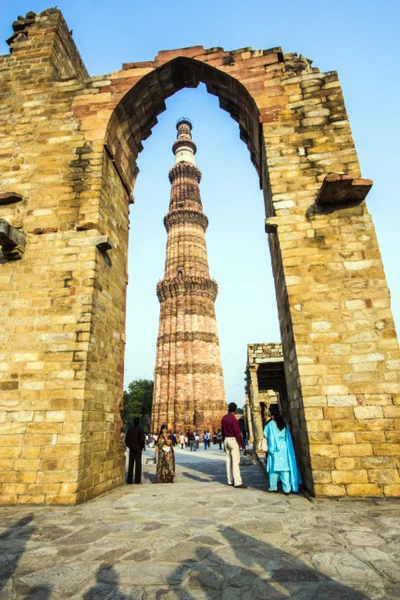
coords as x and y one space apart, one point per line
184 368
184 169
185 216
180 286
188 336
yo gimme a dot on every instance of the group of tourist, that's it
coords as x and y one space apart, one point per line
189 440
280 465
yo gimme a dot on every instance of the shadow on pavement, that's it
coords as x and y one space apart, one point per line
39 593
250 569
107 585
13 541
252 475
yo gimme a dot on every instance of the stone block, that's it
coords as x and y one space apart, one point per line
314 413
26 477
345 400
350 476
343 438
329 489
8 500
44 488
356 450
36 499
379 424
393 437
380 462
348 463
387 449
26 464
391 412
10 489
70 499
338 412
392 490
322 463
364 489
328 450
384 476
322 476
370 436
321 437
350 425
368 412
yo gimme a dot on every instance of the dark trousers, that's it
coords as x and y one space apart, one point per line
135 458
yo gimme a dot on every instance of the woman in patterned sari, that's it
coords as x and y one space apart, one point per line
166 458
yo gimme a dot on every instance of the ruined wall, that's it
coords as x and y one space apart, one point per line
68 148
59 416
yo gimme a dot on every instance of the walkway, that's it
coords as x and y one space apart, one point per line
199 539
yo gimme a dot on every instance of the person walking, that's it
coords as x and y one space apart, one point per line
233 441
197 439
192 442
219 439
281 461
205 440
208 438
165 471
134 440
182 441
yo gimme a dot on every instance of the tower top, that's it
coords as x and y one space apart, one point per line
184 147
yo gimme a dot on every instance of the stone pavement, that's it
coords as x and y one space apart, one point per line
200 539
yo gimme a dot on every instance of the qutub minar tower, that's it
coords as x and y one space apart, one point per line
188 380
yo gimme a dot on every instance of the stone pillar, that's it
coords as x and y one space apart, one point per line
255 406
249 420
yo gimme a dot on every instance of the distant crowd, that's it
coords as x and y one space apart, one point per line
277 442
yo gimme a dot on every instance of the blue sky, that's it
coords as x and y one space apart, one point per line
357 38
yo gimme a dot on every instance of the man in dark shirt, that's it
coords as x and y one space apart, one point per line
233 441
134 440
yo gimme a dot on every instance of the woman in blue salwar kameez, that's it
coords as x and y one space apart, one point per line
281 461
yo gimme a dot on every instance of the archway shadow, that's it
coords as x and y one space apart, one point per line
252 569
12 546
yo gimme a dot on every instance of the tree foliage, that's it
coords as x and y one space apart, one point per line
138 399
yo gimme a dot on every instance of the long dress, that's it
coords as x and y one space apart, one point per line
281 457
165 472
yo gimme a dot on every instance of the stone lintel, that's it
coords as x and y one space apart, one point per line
271 225
10 198
103 243
342 189
12 241
272 359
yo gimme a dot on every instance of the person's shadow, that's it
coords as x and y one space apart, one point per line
249 568
39 593
107 585
12 546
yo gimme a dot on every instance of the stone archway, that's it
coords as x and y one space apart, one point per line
68 188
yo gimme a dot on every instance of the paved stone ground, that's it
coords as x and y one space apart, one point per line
200 539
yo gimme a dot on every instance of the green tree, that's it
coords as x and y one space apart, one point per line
138 399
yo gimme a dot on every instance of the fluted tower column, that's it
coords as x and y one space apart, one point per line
188 379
